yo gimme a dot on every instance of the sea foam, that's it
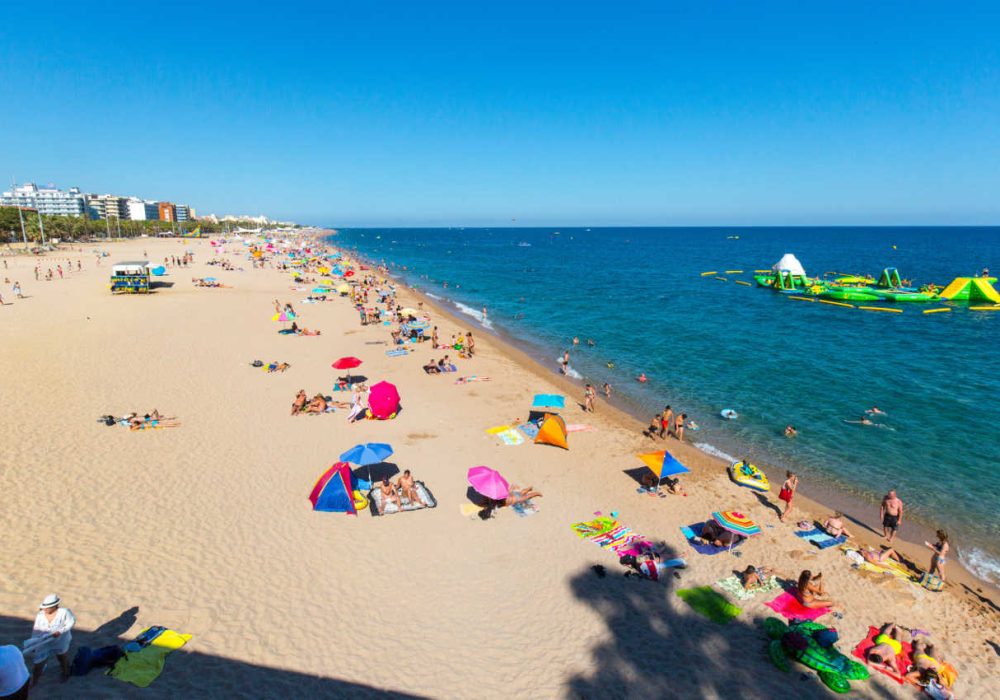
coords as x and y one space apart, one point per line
478 315
714 451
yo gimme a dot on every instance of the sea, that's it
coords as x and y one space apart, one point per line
642 298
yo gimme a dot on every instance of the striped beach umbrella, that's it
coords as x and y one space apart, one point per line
736 522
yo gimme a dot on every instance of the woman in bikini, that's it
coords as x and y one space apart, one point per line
887 648
520 495
810 591
300 401
925 666
940 556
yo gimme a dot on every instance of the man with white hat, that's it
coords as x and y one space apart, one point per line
13 674
51 636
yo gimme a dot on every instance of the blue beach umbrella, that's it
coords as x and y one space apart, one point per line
367 455
663 464
549 401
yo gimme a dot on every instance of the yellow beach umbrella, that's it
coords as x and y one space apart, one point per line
344 288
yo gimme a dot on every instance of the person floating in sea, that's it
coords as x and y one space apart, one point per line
590 342
876 411
576 340
790 431
891 514
611 364
642 378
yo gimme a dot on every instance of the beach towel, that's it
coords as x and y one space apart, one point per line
525 509
142 667
468 509
734 587
608 533
789 606
506 434
889 567
593 527
902 660
692 531
397 353
820 539
709 603
580 428
530 430
375 501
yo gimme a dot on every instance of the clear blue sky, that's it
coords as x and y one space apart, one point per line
476 113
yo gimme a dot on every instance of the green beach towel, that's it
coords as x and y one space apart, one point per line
142 667
707 602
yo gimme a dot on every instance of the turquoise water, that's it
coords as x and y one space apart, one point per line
707 344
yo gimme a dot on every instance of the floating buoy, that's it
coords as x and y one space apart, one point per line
937 311
763 272
745 284
881 308
711 272
734 272
836 303
721 279
995 307
803 298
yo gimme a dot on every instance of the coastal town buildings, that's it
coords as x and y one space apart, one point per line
47 200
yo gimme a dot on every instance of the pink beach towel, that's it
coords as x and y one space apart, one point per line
902 660
788 605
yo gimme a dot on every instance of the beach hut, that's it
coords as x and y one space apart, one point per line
552 431
332 492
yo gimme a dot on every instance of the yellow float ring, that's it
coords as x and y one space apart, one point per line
360 501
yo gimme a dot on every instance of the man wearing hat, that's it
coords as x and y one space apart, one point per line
50 637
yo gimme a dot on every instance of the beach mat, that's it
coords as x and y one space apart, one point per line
530 430
709 603
140 668
397 353
524 509
375 500
820 539
692 531
734 587
902 660
506 435
789 606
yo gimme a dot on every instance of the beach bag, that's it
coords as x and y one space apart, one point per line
256 363
931 582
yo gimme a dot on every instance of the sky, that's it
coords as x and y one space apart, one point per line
622 112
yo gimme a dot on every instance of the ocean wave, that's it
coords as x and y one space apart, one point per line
714 451
570 372
433 296
981 564
478 315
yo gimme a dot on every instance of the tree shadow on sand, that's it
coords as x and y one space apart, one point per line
661 648
186 674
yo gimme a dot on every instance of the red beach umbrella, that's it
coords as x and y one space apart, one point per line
347 363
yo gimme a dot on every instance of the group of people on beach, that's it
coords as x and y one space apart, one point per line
667 424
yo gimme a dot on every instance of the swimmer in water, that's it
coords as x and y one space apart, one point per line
865 420
790 431
611 364
641 378
876 411
576 340
590 342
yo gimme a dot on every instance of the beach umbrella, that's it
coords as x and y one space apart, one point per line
549 401
408 311
383 400
344 289
349 273
368 454
284 316
663 464
488 482
736 522
347 363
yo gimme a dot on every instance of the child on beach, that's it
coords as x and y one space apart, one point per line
654 426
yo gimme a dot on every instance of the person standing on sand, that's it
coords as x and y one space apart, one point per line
787 492
52 631
679 426
588 398
607 391
470 344
564 362
668 415
940 549
891 514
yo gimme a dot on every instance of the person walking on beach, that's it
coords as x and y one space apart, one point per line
434 338
51 636
470 344
665 419
891 514
607 391
588 398
564 362
938 559
787 492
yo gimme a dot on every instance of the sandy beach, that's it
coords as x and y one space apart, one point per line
206 528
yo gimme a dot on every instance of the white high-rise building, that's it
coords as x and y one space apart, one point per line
143 210
183 212
107 206
47 200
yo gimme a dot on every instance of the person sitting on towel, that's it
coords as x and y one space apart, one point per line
712 533
431 367
834 525
408 489
388 495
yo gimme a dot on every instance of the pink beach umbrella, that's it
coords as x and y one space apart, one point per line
489 483
383 400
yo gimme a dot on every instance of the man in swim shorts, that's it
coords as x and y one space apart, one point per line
891 513
408 488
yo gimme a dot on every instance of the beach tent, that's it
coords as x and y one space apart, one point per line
552 431
332 492
972 289
383 401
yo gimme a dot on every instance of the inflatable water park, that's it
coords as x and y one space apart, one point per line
888 289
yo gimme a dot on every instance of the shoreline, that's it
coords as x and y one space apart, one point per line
816 501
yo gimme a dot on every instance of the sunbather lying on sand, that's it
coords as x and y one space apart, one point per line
152 419
317 404
300 402
926 663
432 368
879 556
278 366
887 648
516 494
